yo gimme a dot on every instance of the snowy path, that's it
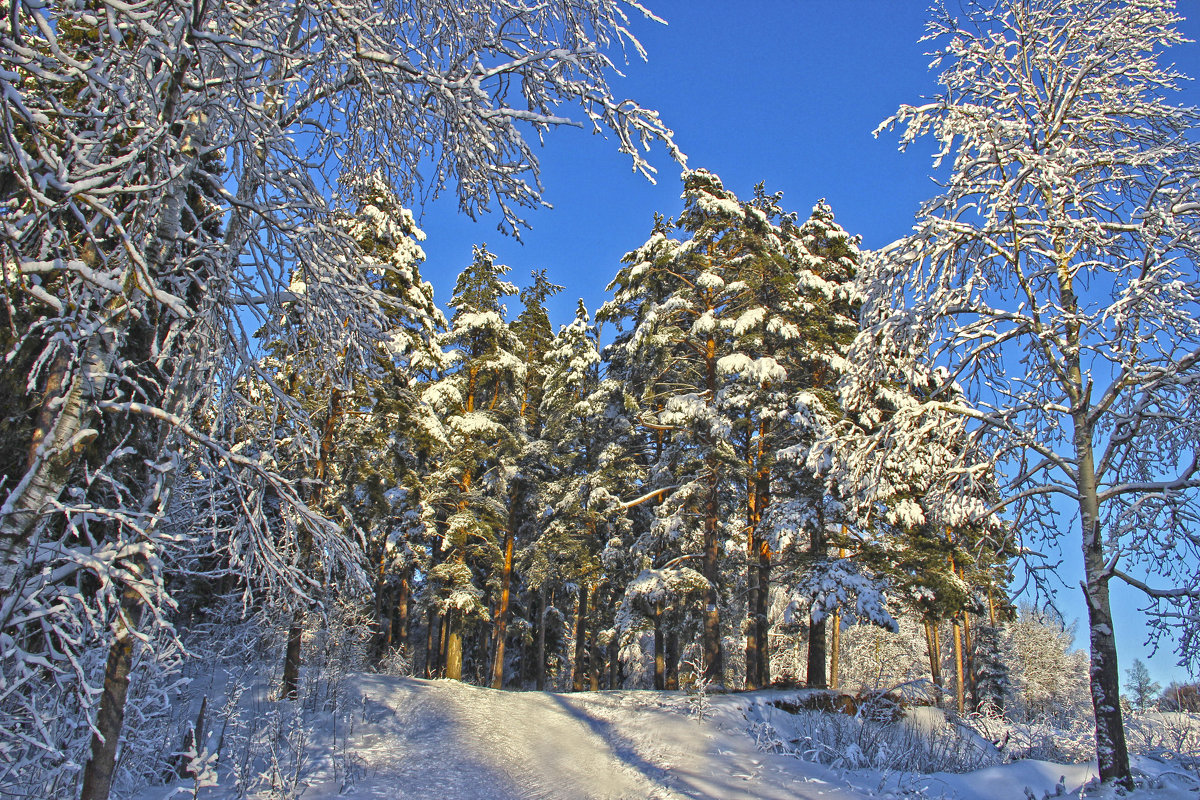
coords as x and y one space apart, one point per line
443 740
426 739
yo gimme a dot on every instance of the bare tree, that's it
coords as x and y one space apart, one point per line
1056 278
130 260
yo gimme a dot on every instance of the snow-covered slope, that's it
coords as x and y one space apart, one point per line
411 738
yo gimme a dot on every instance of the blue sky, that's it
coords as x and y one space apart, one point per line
784 91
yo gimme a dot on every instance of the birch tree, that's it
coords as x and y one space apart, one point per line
1057 274
111 111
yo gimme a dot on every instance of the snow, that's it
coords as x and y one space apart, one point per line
413 738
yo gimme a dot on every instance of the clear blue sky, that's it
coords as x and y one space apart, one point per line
781 91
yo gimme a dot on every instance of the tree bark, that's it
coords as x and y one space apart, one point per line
1112 755
1111 750
960 697
672 659
595 660
579 669
541 640
614 665
660 657
502 611
289 685
817 654
968 659
818 549
110 716
714 667
753 669
934 648
432 638
400 615
764 622
753 516
835 650
454 645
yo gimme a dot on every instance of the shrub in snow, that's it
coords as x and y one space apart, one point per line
876 658
1049 675
905 743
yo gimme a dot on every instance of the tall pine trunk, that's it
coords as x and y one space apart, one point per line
502 611
672 679
934 648
660 654
753 459
579 669
835 646
764 601
960 695
400 610
454 644
714 667
817 632
541 640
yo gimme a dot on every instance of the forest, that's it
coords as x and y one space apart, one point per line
239 429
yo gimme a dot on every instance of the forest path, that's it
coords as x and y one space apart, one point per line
443 739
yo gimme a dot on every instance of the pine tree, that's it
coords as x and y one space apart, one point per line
385 442
679 298
524 474
477 399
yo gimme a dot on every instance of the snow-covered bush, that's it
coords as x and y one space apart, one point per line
875 658
1167 736
918 742
1049 675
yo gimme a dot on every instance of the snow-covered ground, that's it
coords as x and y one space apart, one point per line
408 738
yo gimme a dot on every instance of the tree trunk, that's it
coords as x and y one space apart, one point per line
764 622
432 640
110 716
502 610
835 650
753 669
817 654
714 667
960 697
835 647
672 659
454 645
400 615
934 648
579 669
289 686
596 658
443 632
541 640
660 657
614 665
818 549
1111 751
753 516
291 659
968 660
